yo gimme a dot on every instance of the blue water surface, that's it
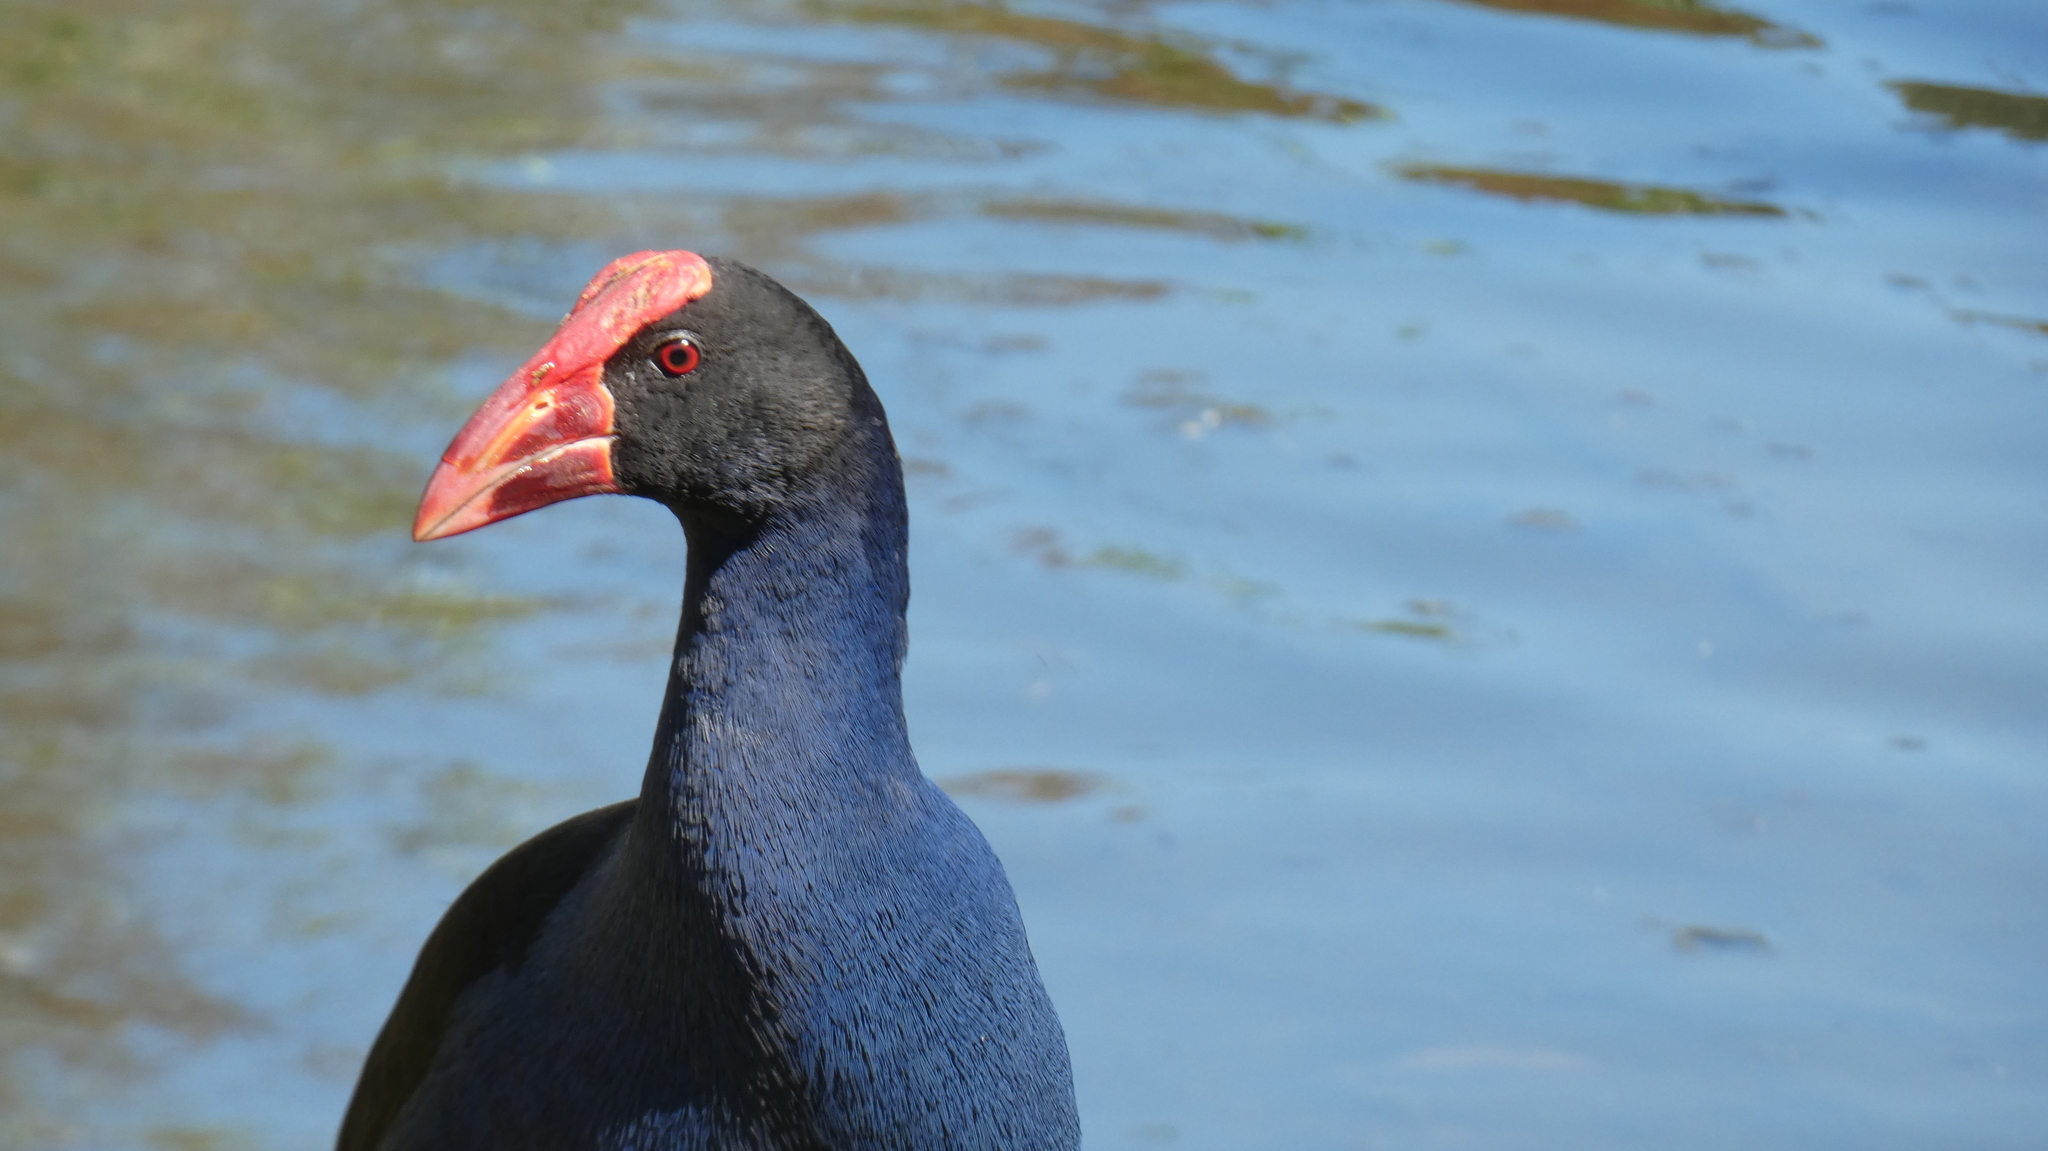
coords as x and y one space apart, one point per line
1480 563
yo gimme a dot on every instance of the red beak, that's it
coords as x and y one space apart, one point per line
546 434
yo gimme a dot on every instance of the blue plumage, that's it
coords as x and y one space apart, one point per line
792 939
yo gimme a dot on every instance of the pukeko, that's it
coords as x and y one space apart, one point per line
792 939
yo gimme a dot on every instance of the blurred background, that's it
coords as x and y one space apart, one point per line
1481 561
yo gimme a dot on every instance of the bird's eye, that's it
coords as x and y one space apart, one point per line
678 356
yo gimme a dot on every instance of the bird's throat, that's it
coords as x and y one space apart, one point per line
782 742
800 886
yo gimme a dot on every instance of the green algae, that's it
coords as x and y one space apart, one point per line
1212 225
1025 784
1408 628
1193 412
2020 115
1134 561
1603 195
1097 63
215 213
2025 324
1684 16
467 806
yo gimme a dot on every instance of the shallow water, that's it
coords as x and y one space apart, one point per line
1479 562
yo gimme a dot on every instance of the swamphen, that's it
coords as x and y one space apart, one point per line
792 939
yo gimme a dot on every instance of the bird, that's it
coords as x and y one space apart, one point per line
792 940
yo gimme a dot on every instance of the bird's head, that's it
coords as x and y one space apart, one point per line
697 382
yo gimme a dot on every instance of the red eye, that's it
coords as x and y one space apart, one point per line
678 356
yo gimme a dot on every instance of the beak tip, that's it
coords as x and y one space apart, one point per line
434 523
430 521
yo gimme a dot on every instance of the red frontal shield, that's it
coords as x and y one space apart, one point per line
546 434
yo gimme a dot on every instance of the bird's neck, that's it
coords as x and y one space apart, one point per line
836 939
782 751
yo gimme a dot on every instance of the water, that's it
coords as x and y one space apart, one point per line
1479 562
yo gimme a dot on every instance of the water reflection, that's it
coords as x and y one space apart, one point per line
217 328
213 331
1605 195
1025 784
1738 939
1665 16
1098 62
2019 115
2012 323
1214 225
1190 410
1046 546
1176 318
